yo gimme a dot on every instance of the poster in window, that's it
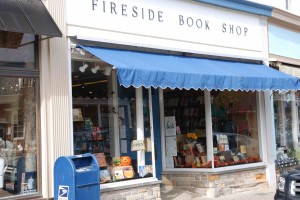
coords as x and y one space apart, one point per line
169 162
77 115
171 146
170 126
28 182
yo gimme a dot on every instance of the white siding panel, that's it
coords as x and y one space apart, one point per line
56 98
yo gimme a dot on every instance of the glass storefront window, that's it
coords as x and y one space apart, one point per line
185 137
283 120
297 102
22 57
235 129
18 139
105 123
286 119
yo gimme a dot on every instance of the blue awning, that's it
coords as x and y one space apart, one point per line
170 71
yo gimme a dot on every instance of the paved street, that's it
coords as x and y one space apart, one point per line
261 194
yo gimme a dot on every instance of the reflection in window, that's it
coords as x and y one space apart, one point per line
18 144
283 120
286 117
21 57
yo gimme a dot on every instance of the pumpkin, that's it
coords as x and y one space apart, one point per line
125 160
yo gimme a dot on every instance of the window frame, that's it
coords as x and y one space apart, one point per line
34 73
209 137
115 140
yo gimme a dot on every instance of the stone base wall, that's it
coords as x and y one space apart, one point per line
149 192
216 184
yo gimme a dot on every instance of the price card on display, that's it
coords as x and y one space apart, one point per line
170 126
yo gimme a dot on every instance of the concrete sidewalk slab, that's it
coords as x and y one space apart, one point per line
259 194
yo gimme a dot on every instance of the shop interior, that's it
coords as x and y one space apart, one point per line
104 124
234 126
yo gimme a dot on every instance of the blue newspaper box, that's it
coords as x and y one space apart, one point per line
77 178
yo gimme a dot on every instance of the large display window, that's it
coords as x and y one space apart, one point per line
283 120
232 139
19 94
185 128
18 140
286 124
235 128
112 122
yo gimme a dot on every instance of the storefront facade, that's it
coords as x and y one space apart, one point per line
284 31
157 87
20 36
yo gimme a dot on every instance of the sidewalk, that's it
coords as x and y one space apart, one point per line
259 194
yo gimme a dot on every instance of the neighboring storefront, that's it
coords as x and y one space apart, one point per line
177 91
284 36
21 23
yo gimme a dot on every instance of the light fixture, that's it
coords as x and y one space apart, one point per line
83 68
95 69
80 51
107 71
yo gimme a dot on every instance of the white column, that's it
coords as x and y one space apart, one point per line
268 112
294 121
113 114
209 131
270 139
56 98
152 132
261 126
282 123
162 126
140 124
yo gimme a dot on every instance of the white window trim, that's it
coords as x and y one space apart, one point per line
295 127
140 132
116 133
162 128
152 132
130 182
219 169
261 128
208 125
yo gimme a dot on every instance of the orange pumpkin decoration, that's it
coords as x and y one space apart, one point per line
125 160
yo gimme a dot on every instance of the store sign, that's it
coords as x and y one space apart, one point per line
165 22
158 16
137 145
